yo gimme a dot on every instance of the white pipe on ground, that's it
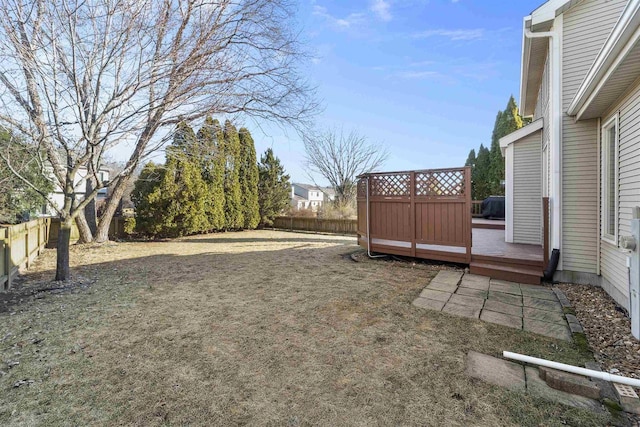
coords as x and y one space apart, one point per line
573 369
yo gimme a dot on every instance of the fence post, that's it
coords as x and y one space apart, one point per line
26 243
412 213
7 258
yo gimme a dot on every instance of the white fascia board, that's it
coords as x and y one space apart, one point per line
527 130
524 71
622 39
550 10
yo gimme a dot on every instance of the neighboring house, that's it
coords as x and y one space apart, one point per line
580 84
80 183
304 196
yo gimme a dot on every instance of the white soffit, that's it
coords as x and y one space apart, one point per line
615 68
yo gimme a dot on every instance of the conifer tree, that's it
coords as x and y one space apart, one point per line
233 198
471 162
249 180
480 176
471 159
183 181
507 121
211 143
274 188
151 204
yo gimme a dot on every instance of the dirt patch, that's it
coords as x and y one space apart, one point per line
607 328
404 262
262 328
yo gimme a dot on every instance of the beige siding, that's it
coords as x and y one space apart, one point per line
543 111
585 29
613 260
527 189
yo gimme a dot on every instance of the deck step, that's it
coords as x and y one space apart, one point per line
501 260
513 273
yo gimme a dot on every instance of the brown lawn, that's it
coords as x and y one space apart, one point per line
260 328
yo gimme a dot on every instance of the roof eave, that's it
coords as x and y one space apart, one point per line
523 132
623 37
526 52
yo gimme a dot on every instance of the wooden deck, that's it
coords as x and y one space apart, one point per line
492 256
492 224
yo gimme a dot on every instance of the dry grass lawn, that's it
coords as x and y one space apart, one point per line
259 328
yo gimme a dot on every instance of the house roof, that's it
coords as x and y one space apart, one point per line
524 131
614 69
534 50
307 186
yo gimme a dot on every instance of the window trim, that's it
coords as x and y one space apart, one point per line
604 200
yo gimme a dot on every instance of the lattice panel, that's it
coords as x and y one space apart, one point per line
441 183
391 185
362 188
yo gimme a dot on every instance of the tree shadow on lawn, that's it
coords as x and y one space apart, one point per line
294 335
223 240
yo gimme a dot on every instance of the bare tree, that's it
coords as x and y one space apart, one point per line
340 158
82 78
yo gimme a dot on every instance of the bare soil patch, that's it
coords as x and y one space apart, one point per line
260 328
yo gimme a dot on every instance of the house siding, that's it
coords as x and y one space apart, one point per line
527 189
585 29
543 111
613 260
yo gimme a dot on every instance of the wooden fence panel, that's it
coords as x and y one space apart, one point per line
390 220
5 263
55 229
338 226
21 244
362 219
425 214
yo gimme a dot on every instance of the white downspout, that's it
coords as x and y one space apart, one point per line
599 175
369 227
555 125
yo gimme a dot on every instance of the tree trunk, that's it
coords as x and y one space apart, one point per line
86 236
110 207
90 212
62 261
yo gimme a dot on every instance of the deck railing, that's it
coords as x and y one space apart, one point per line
476 208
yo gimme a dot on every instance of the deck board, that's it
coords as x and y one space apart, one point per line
488 242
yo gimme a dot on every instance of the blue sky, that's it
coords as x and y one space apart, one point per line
424 77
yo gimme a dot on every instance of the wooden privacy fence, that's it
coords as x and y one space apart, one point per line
21 244
116 231
423 214
339 226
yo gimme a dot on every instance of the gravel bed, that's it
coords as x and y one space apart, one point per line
607 328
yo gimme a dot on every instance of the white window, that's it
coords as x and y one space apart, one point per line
610 180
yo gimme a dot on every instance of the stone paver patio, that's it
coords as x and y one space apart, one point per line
524 379
531 308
